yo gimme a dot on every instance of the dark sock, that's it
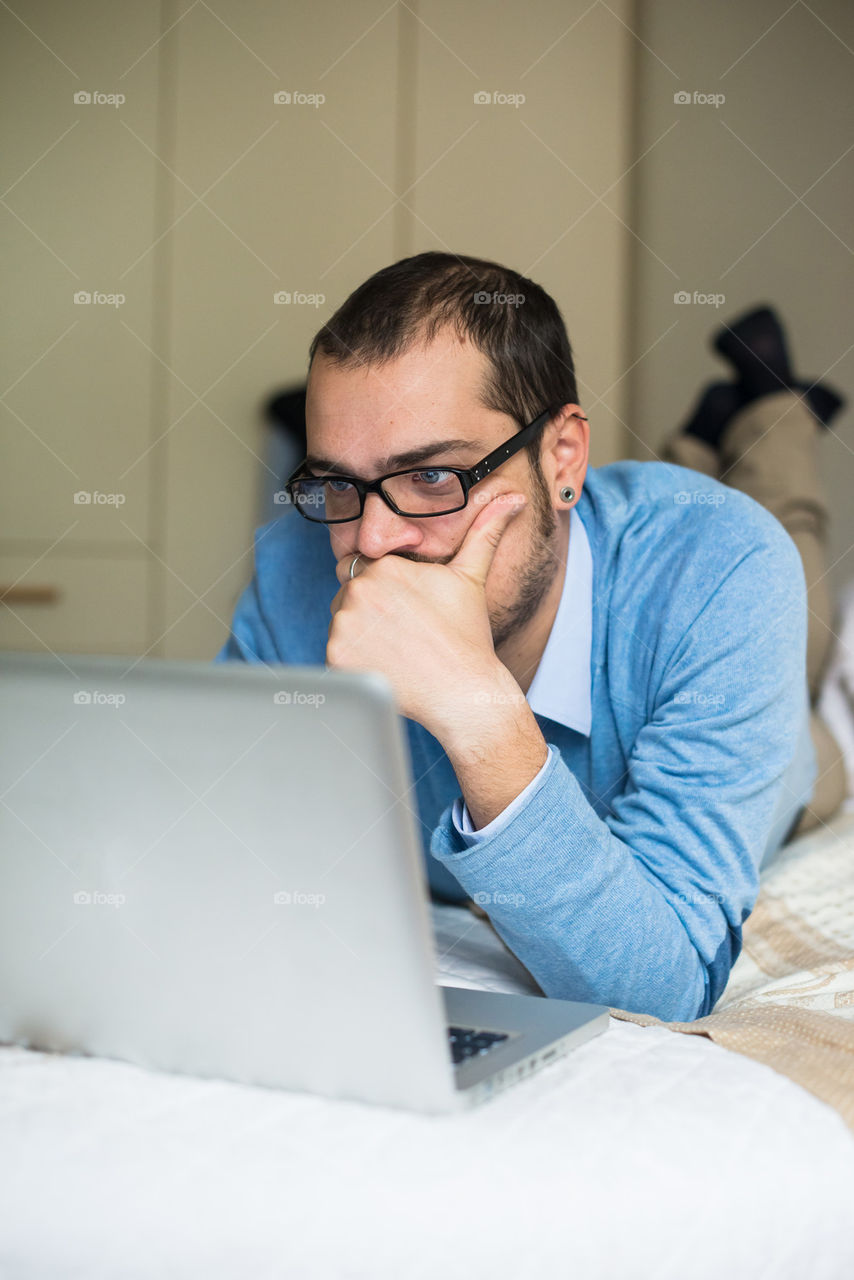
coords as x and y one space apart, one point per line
755 346
824 402
718 404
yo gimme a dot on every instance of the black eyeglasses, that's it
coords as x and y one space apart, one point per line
417 493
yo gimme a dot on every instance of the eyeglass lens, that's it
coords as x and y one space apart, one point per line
430 491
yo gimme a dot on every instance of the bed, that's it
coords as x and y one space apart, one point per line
645 1153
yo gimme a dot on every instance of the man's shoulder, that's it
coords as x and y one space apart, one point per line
668 541
685 560
289 550
295 583
660 509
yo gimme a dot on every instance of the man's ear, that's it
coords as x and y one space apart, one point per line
566 449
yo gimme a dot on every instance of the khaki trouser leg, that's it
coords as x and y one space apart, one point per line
691 451
830 785
768 451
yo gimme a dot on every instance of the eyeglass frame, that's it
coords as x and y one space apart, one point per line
468 476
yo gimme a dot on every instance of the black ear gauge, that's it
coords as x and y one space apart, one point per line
567 493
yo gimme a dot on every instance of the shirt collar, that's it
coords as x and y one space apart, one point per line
560 689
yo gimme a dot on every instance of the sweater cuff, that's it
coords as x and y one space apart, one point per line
462 822
452 845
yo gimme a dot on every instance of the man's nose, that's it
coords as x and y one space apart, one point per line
382 532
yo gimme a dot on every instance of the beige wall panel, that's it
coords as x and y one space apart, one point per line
522 183
301 203
201 199
81 210
99 607
750 199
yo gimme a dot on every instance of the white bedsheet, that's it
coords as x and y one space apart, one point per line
643 1154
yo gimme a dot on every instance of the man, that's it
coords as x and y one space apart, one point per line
602 670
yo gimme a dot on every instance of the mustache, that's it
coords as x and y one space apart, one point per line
419 559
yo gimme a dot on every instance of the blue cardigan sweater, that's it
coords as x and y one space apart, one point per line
627 875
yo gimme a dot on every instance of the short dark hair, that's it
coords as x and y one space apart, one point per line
508 317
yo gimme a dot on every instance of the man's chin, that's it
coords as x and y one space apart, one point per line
509 623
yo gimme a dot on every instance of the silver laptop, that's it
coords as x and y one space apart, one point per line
217 870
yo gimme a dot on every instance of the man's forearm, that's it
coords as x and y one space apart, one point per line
578 908
497 750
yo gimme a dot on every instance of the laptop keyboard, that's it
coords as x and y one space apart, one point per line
467 1042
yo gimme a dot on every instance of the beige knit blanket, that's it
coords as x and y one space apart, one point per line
789 1001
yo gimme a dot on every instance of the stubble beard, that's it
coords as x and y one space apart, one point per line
538 572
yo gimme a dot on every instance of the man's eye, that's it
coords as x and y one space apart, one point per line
432 477
338 486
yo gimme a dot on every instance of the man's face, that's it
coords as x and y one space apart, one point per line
424 407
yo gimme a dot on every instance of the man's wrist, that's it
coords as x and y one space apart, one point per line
488 709
496 749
